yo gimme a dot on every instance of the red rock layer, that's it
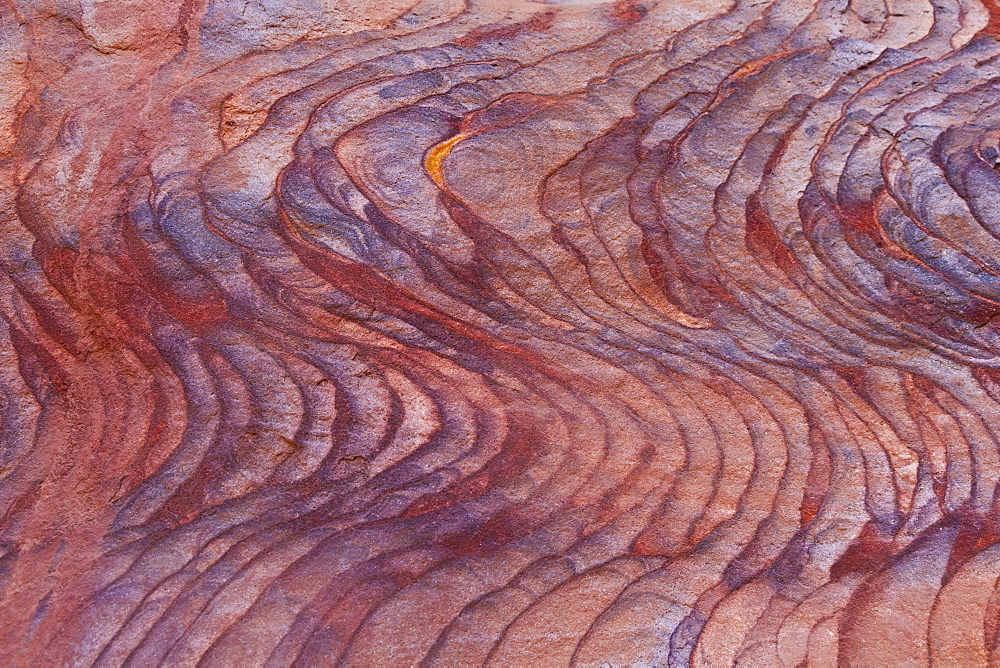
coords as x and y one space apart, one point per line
422 332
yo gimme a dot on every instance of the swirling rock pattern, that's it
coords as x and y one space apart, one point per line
487 332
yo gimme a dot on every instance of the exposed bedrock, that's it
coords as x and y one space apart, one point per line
422 332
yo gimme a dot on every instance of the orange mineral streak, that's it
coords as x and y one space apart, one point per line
435 157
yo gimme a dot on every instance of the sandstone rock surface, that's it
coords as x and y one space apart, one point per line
498 332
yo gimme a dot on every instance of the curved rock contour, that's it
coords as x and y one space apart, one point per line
443 333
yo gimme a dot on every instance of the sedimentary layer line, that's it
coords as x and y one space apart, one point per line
443 333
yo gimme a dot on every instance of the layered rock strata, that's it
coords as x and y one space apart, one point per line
443 333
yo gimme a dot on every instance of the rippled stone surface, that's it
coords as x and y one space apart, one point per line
422 332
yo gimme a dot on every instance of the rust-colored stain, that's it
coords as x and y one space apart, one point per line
626 332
